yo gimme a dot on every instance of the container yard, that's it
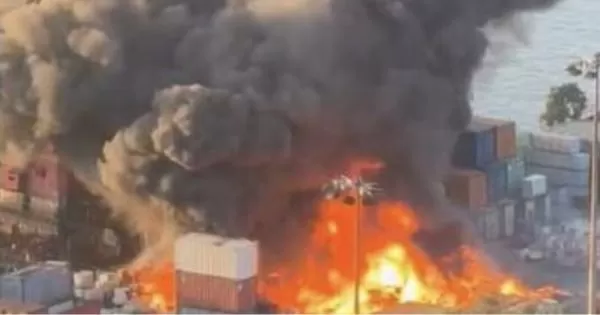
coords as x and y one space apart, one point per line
514 188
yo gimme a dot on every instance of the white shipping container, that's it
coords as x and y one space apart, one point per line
534 185
83 279
44 207
60 308
45 283
11 199
93 294
572 161
216 256
555 142
561 177
492 223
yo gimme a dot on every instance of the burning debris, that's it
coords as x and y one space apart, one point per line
229 116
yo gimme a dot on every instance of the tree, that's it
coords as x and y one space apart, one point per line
564 102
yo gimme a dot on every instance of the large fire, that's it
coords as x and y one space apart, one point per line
394 270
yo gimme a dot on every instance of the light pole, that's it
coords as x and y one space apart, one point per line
360 193
589 68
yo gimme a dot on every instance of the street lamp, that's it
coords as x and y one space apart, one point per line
354 192
589 69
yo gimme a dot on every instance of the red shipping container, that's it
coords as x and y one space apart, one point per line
10 178
215 293
467 188
47 179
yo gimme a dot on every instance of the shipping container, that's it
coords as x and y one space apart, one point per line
83 279
45 283
12 199
515 171
14 307
215 293
467 188
44 207
508 217
11 178
497 178
475 147
543 209
555 142
570 161
490 223
534 185
47 179
561 177
504 137
217 256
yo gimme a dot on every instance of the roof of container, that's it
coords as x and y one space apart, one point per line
16 307
215 240
491 121
580 129
37 267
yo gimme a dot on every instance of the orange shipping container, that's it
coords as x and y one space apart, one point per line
215 293
467 188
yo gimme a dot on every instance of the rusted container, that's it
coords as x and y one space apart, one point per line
12 199
208 254
10 178
47 179
505 136
467 188
215 293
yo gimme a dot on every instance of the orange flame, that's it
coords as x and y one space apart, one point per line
154 287
394 269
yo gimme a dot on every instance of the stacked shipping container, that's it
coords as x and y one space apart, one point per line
216 274
487 172
39 190
561 160
46 284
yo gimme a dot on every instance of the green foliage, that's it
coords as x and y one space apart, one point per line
564 102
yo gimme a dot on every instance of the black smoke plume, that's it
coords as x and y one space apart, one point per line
225 115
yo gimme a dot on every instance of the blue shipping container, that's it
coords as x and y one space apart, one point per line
475 147
497 181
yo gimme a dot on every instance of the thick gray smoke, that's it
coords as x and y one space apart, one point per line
227 115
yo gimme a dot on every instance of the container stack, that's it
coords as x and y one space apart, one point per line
561 159
215 274
486 174
534 209
46 185
48 284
